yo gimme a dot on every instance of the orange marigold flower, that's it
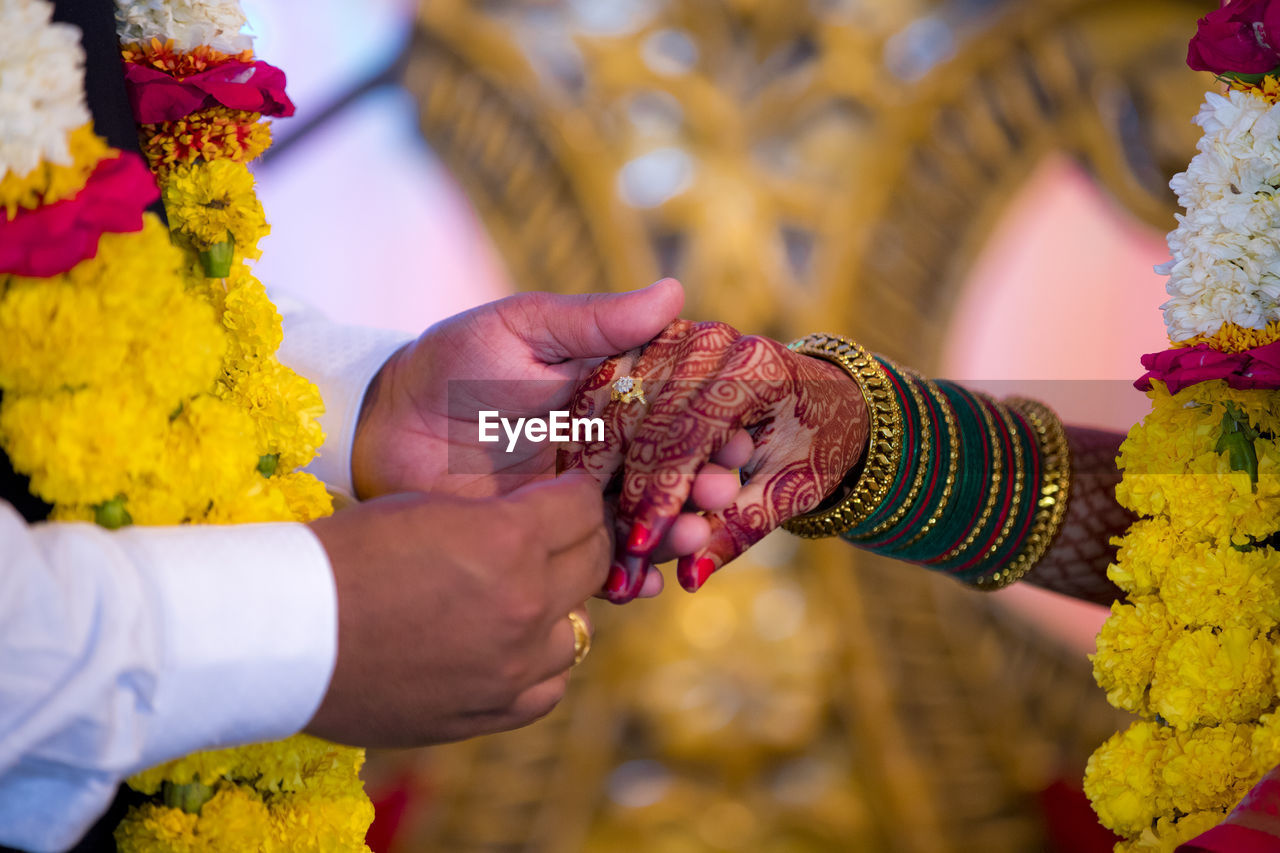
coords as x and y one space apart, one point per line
1268 88
166 58
216 133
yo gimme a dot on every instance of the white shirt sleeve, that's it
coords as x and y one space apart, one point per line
341 361
125 649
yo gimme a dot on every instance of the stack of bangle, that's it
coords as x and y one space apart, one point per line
954 480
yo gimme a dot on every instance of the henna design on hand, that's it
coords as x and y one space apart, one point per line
806 417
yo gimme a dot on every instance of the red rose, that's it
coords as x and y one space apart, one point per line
1243 37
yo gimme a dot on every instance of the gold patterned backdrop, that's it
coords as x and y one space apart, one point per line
835 165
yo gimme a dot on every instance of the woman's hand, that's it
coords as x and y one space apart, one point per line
715 400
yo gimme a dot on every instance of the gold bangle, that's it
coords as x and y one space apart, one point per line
926 454
1054 490
884 452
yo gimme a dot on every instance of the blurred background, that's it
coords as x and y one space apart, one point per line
977 188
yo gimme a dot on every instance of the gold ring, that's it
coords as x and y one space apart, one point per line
581 638
627 388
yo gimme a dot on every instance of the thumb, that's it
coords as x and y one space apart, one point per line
558 327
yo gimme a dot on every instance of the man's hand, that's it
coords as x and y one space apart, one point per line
453 612
523 356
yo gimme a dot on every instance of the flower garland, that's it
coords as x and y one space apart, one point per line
1195 650
137 362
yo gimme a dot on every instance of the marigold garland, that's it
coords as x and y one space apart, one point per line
141 386
1194 652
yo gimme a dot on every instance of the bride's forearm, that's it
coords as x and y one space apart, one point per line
1076 564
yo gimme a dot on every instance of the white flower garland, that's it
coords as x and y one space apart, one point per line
1226 249
188 23
41 99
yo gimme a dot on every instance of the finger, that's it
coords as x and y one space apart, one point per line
533 703
772 495
736 451
564 511
601 459
562 644
714 487
688 533
560 327
653 583
579 571
673 444
622 417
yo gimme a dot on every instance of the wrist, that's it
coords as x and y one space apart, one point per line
842 383
367 441
881 428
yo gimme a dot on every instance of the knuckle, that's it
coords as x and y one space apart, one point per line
714 329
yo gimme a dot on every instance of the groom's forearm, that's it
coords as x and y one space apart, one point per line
1076 564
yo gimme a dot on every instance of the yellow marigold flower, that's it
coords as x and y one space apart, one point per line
1210 497
214 133
1216 584
1267 88
1167 834
301 763
83 447
1171 466
236 819
76 512
183 355
206 202
1261 407
1145 552
250 318
285 407
1128 644
1234 338
211 456
1206 678
1123 782
1209 767
50 182
153 828
261 500
308 499
322 823
208 768
90 325
1266 743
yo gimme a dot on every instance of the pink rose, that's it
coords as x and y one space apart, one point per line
1185 366
1243 37
255 87
1178 368
54 238
1263 370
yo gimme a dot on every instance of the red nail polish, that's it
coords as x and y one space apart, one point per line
702 571
639 538
617 580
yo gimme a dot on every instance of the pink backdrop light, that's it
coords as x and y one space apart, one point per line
1059 306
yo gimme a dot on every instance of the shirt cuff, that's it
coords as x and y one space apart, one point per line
248 632
341 361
